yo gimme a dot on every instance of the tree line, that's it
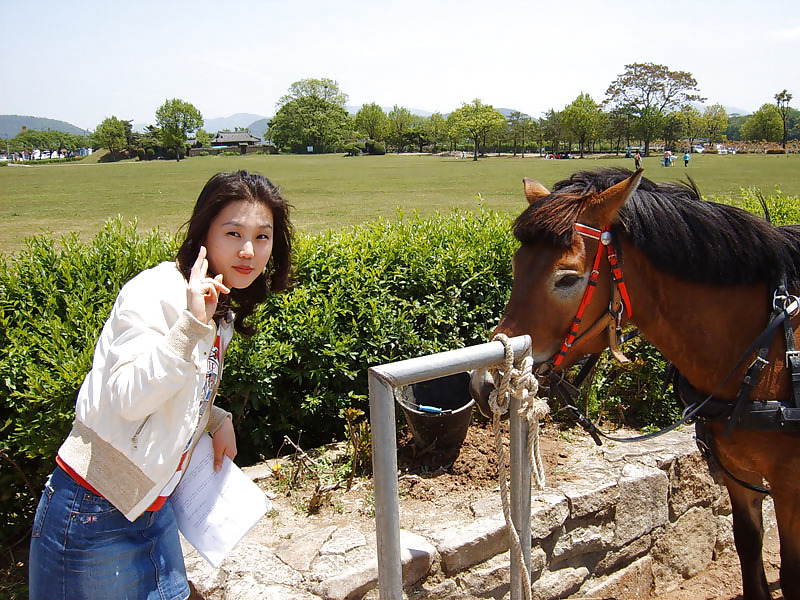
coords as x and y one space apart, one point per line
644 104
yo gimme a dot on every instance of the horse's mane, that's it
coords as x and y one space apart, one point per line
679 232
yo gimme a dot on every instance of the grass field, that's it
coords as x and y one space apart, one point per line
328 191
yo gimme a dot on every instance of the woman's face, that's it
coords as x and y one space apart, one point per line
239 242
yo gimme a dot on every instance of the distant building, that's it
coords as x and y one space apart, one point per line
241 141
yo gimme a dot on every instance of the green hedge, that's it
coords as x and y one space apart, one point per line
364 296
54 299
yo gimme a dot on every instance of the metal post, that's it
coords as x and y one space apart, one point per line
387 500
382 381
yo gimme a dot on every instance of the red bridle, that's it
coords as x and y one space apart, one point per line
613 317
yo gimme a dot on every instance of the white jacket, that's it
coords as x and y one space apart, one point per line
138 407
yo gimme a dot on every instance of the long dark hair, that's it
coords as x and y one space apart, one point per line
219 191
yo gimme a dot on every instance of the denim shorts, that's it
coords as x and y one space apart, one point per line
83 547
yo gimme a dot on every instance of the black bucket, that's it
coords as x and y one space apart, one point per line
438 412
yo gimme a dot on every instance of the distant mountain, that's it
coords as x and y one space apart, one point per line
735 110
230 123
387 109
11 125
258 128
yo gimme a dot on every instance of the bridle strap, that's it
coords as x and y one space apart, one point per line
620 301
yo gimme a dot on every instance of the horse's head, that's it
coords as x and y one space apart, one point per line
552 269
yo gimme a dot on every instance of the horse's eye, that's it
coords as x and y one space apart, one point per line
567 281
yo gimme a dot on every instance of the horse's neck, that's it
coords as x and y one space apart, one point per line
701 329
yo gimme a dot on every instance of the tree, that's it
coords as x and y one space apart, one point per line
552 128
203 138
111 135
618 128
310 121
648 91
400 121
455 131
764 124
436 130
177 119
372 121
692 123
583 119
323 89
519 128
715 118
477 120
674 129
418 133
311 114
782 100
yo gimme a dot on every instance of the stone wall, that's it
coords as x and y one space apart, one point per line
633 521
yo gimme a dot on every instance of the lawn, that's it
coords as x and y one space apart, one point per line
328 191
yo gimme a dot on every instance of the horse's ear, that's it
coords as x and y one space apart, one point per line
534 190
606 204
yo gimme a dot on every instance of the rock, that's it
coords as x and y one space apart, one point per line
642 504
299 552
462 546
686 548
558 584
634 581
417 556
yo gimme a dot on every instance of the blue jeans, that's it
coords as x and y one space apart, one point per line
84 548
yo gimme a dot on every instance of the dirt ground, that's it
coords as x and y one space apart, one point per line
436 487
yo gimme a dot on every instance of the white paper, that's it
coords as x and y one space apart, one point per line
215 510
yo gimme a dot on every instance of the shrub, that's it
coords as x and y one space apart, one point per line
368 295
54 299
354 148
783 208
375 148
776 151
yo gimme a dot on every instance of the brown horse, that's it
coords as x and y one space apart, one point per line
697 279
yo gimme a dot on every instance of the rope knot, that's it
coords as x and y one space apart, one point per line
521 384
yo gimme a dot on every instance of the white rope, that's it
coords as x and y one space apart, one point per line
523 386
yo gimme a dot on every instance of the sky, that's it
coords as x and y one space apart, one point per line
82 61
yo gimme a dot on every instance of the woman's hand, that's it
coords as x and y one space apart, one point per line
202 293
224 443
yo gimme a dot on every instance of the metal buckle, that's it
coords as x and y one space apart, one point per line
786 302
763 361
791 354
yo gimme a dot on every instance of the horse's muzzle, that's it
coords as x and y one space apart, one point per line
481 384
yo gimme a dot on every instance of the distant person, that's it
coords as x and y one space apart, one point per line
686 158
104 527
637 160
667 154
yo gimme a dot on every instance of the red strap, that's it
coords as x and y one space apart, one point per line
155 506
619 281
587 298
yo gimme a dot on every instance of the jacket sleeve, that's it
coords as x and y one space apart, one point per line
147 346
215 419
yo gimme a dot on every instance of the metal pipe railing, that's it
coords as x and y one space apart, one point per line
382 381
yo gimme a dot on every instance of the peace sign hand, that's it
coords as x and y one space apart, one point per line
202 292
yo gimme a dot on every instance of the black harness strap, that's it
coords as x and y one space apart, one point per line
708 449
792 357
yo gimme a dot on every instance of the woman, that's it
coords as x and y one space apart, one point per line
104 527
